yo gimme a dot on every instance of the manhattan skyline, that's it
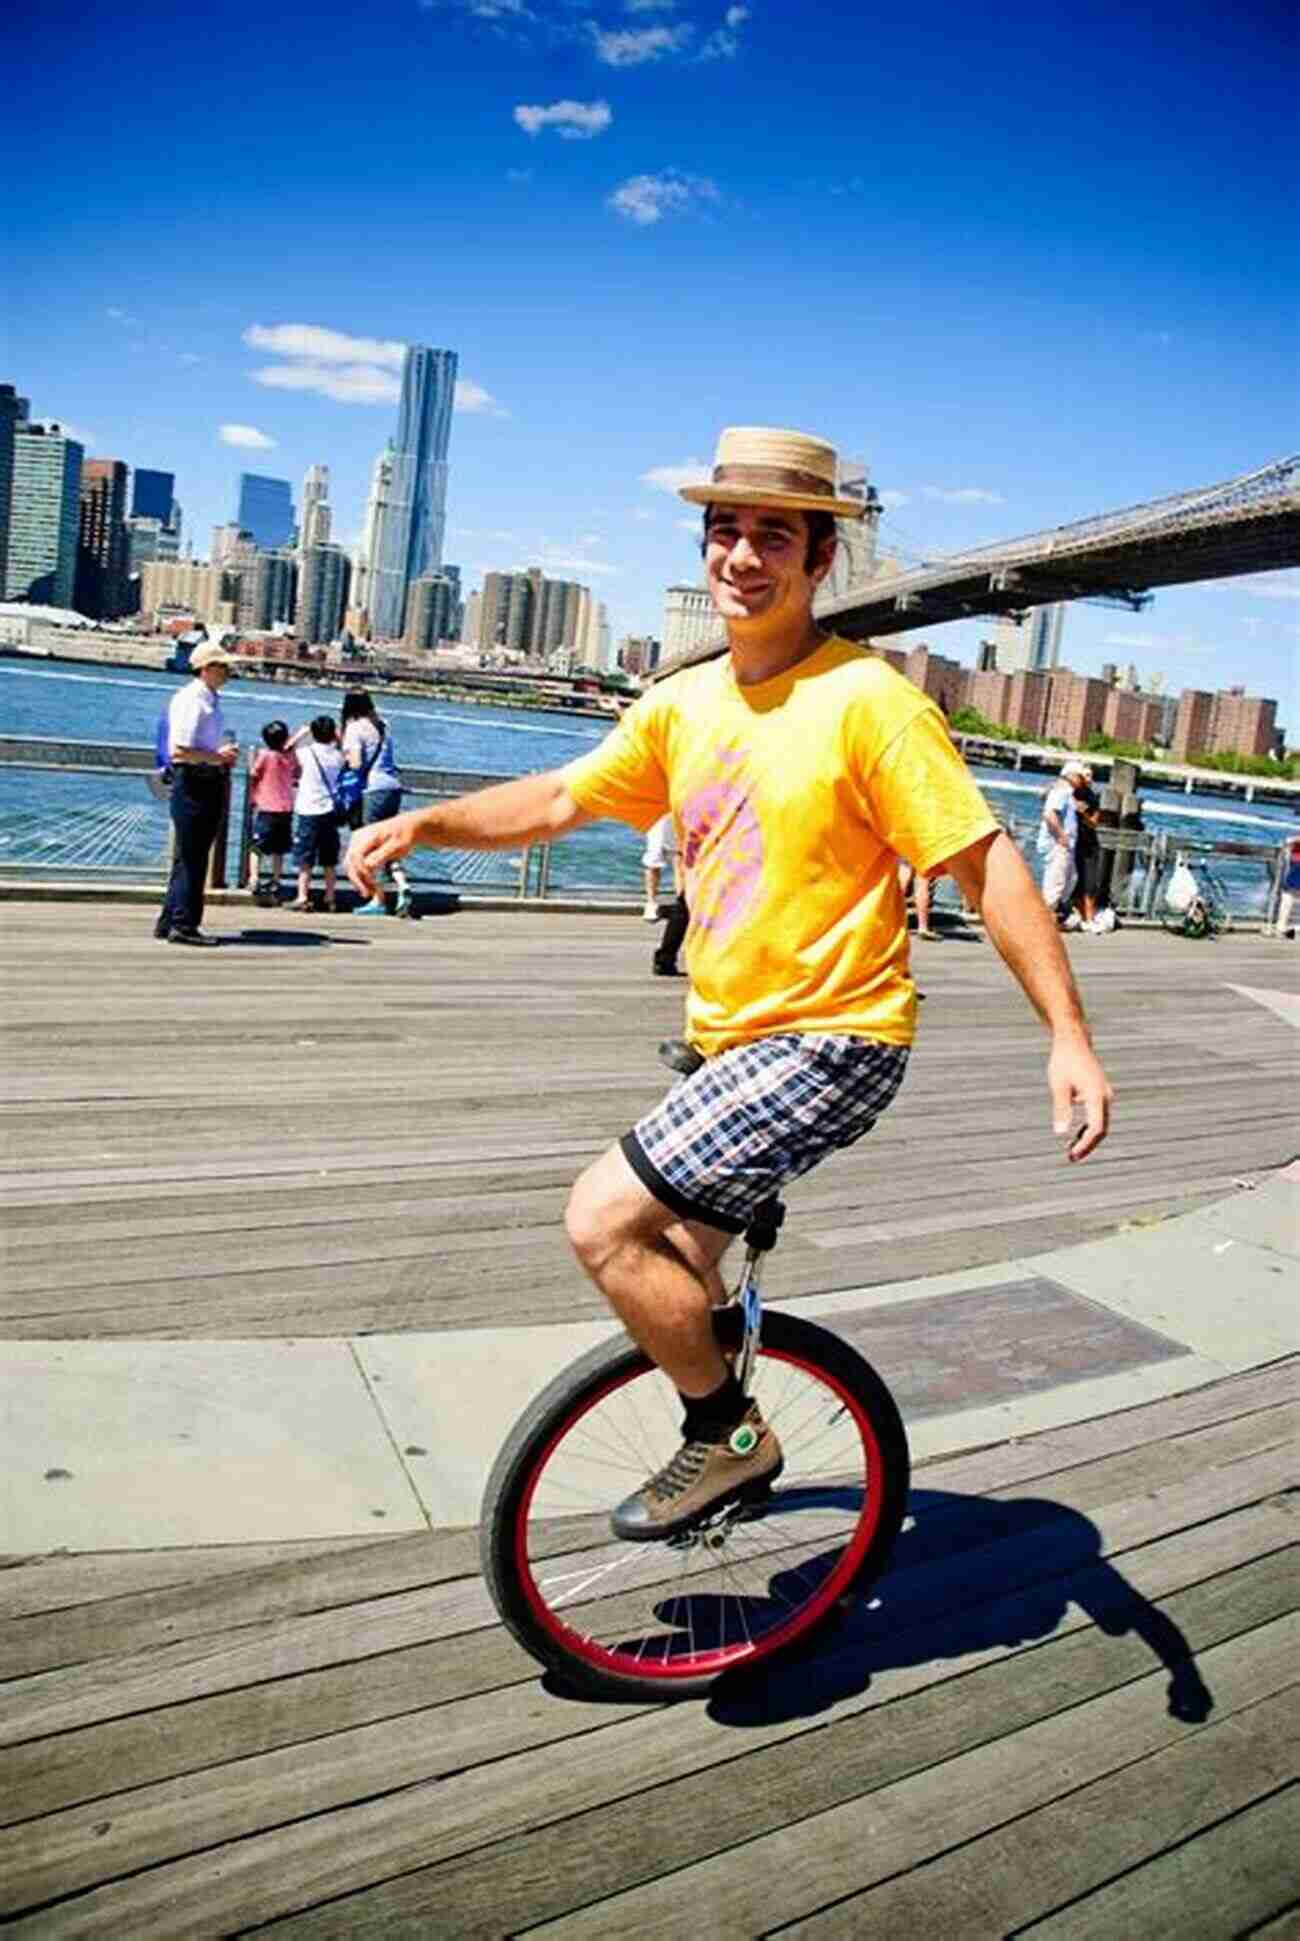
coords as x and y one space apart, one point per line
1029 272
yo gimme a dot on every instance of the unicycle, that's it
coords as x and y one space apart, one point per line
749 1580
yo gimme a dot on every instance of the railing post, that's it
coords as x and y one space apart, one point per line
525 868
246 827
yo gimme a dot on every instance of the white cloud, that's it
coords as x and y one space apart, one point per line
633 46
962 495
520 174
723 44
692 526
1140 641
122 317
246 437
646 199
472 397
1271 586
573 121
323 346
570 563
892 500
345 383
188 357
649 6
670 478
351 370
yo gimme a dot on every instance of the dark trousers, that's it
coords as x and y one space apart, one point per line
665 957
197 800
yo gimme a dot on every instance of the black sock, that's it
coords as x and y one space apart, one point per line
711 1418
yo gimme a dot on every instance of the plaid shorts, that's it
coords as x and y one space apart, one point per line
727 1138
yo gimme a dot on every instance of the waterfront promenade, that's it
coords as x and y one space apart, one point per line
282 1260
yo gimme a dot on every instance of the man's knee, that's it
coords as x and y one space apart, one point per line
609 1210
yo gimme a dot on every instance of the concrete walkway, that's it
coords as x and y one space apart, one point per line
121 1445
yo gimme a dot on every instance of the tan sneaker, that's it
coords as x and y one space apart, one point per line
702 1476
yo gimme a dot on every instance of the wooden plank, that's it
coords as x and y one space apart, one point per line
151 1744
61 1700
65 1581
726 1842
333 1852
1235 1875
1014 1877
280 1589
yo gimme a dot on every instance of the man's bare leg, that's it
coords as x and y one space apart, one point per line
658 1272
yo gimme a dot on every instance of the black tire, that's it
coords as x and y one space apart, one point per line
827 1387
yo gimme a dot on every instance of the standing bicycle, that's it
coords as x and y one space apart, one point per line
798 769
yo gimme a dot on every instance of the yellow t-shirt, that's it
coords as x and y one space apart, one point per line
792 799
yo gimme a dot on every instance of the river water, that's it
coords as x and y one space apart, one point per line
66 822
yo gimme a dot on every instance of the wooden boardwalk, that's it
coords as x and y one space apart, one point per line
339 1125
1071 1708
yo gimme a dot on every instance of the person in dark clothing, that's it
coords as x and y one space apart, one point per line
665 957
1087 850
200 752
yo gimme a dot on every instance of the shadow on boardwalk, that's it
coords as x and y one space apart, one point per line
1003 1575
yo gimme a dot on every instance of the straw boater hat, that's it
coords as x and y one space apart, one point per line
758 465
206 656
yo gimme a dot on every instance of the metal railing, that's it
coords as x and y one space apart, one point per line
77 809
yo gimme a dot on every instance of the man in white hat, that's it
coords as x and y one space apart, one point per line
798 768
200 750
1058 831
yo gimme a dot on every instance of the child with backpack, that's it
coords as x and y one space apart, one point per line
272 783
316 808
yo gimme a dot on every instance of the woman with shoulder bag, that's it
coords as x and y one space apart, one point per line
368 754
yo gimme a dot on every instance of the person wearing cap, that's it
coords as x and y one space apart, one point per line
201 752
798 768
1057 833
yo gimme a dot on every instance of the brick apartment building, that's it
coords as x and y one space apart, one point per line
1243 724
1230 722
1129 716
1075 708
942 679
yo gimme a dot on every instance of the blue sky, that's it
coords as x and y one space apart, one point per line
1030 263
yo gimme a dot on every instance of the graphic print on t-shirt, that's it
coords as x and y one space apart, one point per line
722 847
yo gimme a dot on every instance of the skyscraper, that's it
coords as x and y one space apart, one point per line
411 543
100 583
431 612
152 495
43 522
265 509
322 594
13 412
690 618
314 511
372 538
1030 641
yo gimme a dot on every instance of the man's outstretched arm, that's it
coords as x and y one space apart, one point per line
535 808
993 878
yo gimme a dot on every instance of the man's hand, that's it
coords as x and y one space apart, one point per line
1075 1077
378 843
228 754
992 876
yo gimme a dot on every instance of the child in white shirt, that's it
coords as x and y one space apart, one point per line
315 807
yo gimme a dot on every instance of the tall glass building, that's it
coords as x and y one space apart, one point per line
265 510
152 494
410 545
45 516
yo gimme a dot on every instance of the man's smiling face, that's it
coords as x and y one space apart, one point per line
756 560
